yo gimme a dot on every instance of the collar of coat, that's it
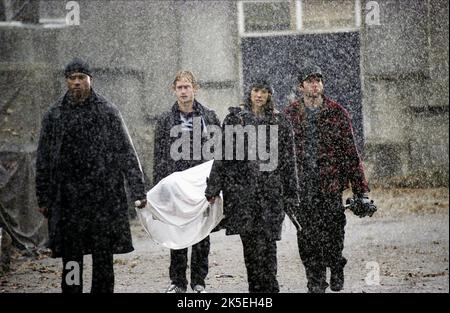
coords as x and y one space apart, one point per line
197 108
242 112
93 98
99 103
296 109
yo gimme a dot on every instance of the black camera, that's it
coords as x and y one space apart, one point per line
361 205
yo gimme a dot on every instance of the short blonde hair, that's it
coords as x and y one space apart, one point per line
187 75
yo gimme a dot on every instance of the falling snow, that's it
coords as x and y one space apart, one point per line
386 62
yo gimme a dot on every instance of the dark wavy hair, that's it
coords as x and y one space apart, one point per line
270 105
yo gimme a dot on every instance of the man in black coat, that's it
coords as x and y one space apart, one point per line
84 156
182 118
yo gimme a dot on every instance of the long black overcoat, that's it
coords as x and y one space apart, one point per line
104 223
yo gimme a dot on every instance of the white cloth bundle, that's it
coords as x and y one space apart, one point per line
177 214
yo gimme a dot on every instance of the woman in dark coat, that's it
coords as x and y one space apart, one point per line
256 195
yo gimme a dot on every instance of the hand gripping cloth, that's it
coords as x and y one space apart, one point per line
177 214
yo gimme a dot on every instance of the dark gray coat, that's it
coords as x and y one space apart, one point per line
255 201
98 218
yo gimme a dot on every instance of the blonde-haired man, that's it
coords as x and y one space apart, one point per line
182 117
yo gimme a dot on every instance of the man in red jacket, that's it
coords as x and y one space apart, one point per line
327 161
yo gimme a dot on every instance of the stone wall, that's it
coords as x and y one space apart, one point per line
405 93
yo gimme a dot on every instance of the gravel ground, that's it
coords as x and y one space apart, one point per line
404 247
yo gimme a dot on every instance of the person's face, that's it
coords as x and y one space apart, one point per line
185 91
259 97
79 85
312 87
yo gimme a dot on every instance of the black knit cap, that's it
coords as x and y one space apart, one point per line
77 65
307 71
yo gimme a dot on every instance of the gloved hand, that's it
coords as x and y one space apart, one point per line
361 205
140 204
211 199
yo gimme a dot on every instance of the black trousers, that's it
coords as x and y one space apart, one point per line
321 238
260 256
199 264
102 272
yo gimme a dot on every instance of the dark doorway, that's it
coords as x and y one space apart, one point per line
338 54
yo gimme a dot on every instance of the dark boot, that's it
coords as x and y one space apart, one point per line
337 276
316 277
337 279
